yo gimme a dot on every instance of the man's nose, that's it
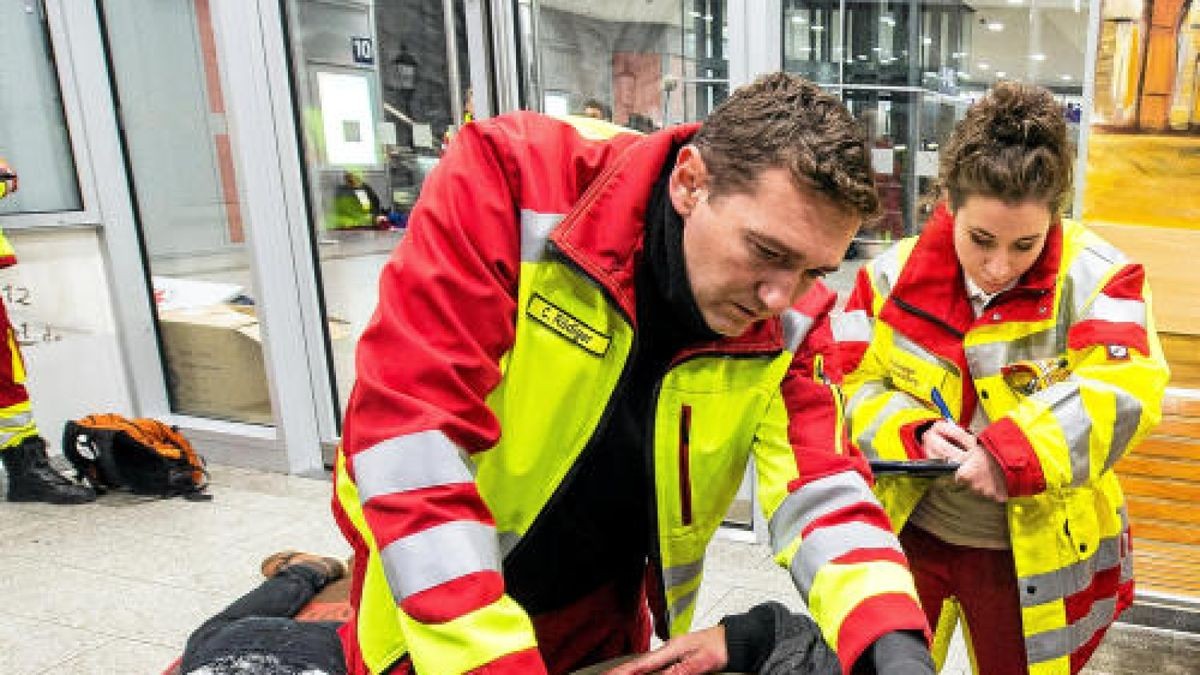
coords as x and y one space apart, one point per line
778 291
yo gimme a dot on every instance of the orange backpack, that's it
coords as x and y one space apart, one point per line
142 455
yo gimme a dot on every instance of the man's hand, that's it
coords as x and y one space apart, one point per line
981 473
702 651
948 441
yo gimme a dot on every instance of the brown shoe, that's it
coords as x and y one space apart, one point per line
332 568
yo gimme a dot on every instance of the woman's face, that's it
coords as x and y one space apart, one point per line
997 242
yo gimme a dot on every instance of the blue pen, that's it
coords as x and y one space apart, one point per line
941 405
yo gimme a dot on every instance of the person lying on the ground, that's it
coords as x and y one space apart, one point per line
259 635
771 640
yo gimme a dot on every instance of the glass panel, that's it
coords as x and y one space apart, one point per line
648 65
890 118
376 84
911 69
812 39
33 132
179 149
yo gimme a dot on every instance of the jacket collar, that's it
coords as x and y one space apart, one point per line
603 233
931 285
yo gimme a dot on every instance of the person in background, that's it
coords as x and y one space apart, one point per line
577 347
1036 339
595 109
258 634
356 204
22 449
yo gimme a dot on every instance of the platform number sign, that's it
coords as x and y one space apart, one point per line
362 49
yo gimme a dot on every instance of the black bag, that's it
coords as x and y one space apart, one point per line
142 455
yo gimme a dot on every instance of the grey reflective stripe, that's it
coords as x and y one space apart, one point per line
1118 310
508 541
16 421
815 499
1088 272
1060 642
1059 584
412 462
885 269
1065 405
795 328
1126 418
853 326
829 543
535 231
905 344
439 554
897 402
681 574
987 359
687 600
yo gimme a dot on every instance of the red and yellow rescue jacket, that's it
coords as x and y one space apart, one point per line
505 320
1070 372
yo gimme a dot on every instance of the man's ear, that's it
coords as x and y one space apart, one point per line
688 181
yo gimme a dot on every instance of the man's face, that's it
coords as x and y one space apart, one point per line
750 255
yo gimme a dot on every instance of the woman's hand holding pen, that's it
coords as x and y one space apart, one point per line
978 471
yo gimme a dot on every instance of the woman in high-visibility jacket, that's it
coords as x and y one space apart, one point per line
1038 335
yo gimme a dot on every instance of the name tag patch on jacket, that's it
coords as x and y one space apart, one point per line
560 321
1118 353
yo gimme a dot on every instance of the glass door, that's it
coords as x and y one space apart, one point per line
180 151
380 87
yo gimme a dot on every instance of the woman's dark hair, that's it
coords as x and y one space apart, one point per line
784 121
1011 146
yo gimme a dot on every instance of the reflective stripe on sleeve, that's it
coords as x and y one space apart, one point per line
682 574
829 543
1118 310
813 500
439 554
411 462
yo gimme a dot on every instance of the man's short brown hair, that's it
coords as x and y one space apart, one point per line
1012 146
784 121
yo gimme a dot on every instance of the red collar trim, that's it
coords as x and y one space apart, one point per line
931 285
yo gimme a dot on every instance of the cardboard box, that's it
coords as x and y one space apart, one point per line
215 365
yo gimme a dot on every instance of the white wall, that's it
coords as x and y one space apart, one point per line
58 300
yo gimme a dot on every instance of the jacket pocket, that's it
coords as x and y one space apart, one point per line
685 465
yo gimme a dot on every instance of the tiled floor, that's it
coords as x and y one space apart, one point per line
116 586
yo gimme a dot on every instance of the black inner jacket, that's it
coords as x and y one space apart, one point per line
597 528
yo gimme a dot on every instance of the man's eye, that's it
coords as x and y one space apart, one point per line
816 274
766 253
1024 247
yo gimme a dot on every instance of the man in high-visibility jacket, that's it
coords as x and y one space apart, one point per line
22 450
578 345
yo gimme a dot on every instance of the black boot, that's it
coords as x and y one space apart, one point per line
32 479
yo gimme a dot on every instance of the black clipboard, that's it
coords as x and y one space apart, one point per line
929 468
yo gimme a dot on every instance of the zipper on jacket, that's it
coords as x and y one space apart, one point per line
911 309
685 470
